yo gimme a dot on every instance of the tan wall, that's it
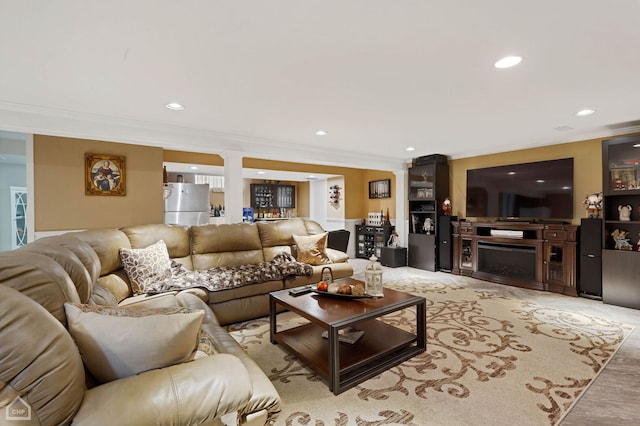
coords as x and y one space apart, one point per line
192 157
354 181
59 180
587 171
378 204
303 194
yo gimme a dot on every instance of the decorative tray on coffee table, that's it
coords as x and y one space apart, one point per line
349 281
340 296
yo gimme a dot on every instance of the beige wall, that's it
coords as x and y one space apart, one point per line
587 171
354 181
59 180
380 204
60 202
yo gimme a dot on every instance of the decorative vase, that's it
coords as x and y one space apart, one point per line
373 278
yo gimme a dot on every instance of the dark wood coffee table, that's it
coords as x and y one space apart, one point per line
344 365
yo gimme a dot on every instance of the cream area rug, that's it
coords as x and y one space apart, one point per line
490 360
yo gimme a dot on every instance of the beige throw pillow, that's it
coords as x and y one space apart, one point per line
312 249
118 342
146 266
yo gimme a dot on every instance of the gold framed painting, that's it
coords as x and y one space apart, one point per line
104 174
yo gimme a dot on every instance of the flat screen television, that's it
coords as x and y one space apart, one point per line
537 190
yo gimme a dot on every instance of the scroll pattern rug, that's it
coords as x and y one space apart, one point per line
490 360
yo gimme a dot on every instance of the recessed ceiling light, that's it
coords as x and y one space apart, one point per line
508 62
566 187
409 148
586 111
637 145
311 177
321 133
261 172
194 167
540 181
511 173
175 106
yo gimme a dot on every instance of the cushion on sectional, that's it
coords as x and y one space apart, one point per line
337 256
146 266
118 342
312 249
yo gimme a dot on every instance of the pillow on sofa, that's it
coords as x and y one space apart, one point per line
312 249
146 266
118 342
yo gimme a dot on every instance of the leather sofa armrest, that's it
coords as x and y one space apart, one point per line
192 393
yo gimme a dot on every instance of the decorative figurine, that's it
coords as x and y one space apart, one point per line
446 207
621 240
427 225
593 204
625 212
393 239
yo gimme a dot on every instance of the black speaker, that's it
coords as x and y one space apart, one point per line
590 258
445 243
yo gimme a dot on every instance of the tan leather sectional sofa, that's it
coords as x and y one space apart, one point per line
41 363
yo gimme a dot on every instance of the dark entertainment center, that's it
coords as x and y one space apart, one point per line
540 256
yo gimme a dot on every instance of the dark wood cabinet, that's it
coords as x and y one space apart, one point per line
370 240
620 231
531 255
393 256
422 251
428 188
445 243
590 258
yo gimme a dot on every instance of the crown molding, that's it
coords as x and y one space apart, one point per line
57 122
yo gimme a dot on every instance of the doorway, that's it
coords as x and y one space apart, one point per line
13 193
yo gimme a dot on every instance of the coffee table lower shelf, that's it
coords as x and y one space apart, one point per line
381 347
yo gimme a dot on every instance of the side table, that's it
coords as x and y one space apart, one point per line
393 256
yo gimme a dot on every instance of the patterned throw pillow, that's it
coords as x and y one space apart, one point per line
118 342
146 266
312 249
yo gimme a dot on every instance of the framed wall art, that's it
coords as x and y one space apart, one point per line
380 188
105 174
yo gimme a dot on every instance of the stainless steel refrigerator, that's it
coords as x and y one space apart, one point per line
188 204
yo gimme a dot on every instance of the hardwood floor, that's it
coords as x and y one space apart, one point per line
613 398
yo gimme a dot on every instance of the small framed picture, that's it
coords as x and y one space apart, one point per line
380 188
105 174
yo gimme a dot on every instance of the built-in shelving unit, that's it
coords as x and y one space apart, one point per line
621 191
428 187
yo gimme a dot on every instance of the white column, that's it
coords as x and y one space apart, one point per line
318 201
233 186
401 198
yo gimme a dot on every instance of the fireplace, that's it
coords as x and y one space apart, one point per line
515 261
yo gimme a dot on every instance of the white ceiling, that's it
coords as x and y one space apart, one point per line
260 77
